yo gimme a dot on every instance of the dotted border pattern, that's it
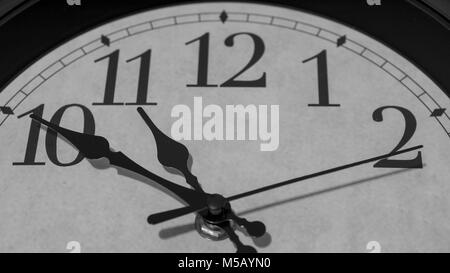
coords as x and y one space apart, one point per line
239 17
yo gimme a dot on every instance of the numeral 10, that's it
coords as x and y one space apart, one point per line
51 136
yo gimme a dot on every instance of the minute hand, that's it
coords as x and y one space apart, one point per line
168 215
96 147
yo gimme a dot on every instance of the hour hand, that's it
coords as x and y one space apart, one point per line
96 147
171 153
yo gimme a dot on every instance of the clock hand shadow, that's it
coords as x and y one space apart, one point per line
103 163
170 232
177 172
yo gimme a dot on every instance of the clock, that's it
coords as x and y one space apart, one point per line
269 126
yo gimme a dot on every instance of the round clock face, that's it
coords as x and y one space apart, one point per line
259 95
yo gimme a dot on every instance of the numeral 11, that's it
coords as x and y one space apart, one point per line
111 79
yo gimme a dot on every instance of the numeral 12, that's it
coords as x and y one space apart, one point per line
203 60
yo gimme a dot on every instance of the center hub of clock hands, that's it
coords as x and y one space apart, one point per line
208 222
219 222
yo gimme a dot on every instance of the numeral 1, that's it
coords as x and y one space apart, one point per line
111 78
322 75
144 74
33 138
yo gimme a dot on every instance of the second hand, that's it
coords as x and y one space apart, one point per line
309 176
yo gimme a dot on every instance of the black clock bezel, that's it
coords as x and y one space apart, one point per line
409 27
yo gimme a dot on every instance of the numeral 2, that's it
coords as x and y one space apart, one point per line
410 128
